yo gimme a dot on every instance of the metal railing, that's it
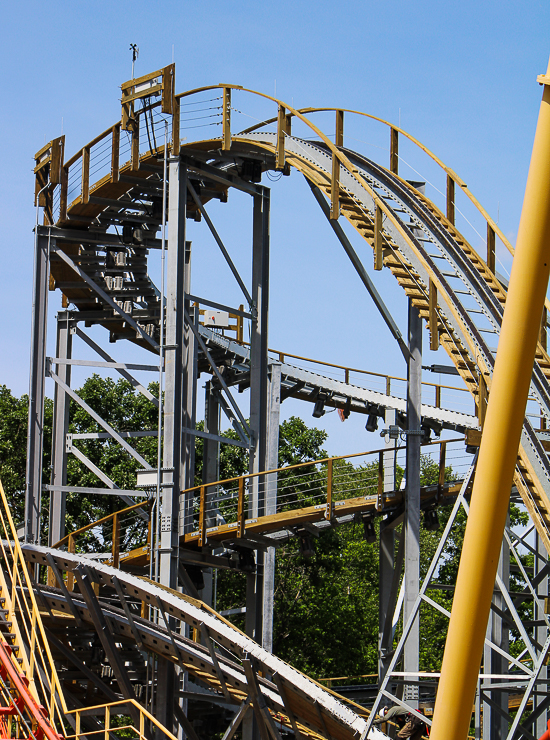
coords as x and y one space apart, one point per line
120 534
29 643
320 486
114 727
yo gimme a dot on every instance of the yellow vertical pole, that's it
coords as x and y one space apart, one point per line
499 445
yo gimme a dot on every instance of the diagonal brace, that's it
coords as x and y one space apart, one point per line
356 262
220 245
108 428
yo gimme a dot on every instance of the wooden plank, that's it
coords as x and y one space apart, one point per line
56 157
490 248
394 151
168 89
226 137
433 321
335 181
451 199
378 245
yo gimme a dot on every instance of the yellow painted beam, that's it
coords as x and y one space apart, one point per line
499 446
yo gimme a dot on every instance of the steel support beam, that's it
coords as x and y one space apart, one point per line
412 500
172 447
61 403
35 434
272 462
107 640
541 630
495 703
360 269
189 398
386 558
258 415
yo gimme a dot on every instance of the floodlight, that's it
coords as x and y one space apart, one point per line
372 423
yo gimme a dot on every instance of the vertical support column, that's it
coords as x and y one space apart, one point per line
272 462
258 395
495 725
258 340
386 556
541 562
189 389
211 448
173 367
210 472
258 415
61 402
35 434
412 498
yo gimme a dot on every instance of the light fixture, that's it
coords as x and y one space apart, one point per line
431 520
372 423
319 408
369 533
307 550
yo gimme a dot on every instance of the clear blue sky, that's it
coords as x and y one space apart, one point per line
461 77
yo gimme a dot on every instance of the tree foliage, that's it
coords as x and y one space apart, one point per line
326 604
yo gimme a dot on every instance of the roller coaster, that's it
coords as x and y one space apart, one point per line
124 641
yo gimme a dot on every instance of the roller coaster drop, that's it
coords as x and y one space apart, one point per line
100 638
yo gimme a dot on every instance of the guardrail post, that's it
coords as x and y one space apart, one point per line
491 248
77 723
281 131
107 721
438 396
176 128
441 477
432 318
394 151
335 183
388 385
115 153
380 492
115 550
71 547
85 189
240 509
202 517
329 508
63 194
226 110
543 335
240 325
135 145
451 199
378 246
